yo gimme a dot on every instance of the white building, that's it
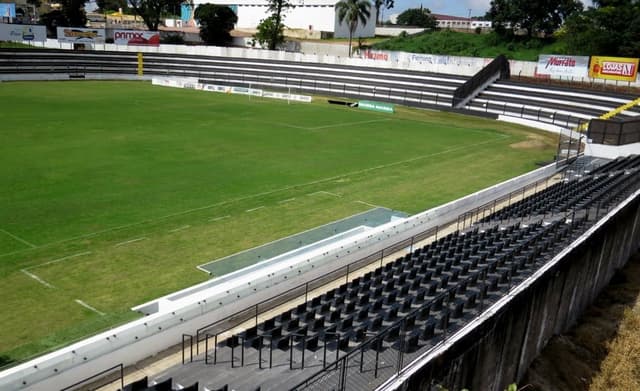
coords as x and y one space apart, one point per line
312 15
460 23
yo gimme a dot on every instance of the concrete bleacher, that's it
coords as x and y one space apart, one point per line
549 104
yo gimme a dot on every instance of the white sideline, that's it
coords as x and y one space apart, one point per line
180 229
219 218
254 209
87 306
130 241
40 280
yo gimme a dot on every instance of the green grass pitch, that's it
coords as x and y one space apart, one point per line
112 192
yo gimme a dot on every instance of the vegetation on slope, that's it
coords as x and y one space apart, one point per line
453 43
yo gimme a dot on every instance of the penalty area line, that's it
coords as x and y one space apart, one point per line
254 209
40 280
90 308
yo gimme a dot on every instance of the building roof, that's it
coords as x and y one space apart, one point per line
449 17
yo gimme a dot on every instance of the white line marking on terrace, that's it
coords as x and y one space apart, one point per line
130 241
285 201
87 306
40 280
219 218
264 193
180 228
58 260
254 209
368 204
19 239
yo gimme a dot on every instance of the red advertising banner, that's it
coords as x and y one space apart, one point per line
136 37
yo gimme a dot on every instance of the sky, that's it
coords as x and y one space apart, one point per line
448 7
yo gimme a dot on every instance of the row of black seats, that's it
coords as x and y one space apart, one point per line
379 298
597 188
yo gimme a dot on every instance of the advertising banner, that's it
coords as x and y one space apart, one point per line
375 106
135 37
22 32
555 65
613 68
80 35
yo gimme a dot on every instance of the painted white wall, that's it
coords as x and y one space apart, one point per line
611 151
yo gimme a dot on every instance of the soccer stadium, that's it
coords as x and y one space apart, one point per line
252 221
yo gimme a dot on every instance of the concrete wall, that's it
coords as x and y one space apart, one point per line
496 350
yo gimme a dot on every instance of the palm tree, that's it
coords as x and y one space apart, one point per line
353 12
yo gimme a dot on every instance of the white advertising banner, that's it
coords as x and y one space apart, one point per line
136 37
557 65
22 32
80 35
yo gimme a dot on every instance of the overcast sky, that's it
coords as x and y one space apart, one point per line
448 7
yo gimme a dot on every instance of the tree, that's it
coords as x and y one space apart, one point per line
353 12
271 30
151 11
380 4
216 21
420 17
70 14
608 28
533 16
269 33
73 10
111 5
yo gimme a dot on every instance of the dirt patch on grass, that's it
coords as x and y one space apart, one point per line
531 143
602 352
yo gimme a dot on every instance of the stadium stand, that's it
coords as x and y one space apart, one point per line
368 327
550 104
556 105
411 304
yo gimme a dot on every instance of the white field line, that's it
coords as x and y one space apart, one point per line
264 193
130 241
19 239
350 123
368 204
40 280
180 228
325 192
322 126
285 201
87 306
219 218
254 209
58 260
